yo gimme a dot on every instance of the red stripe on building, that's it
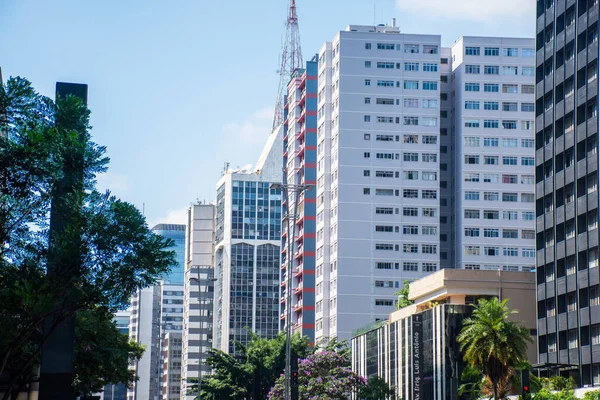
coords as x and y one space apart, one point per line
310 165
310 148
308 308
311 130
311 95
311 77
311 113
310 200
310 218
308 326
309 254
308 271
309 236
308 182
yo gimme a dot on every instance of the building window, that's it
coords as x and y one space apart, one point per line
384 83
510 197
472 51
471 177
410 212
411 48
526 107
472 105
410 248
490 160
490 142
471 159
471 87
491 87
430 85
367 46
367 64
385 46
472 250
509 124
366 191
430 49
492 51
491 70
491 105
384 302
471 195
471 123
491 233
367 118
510 70
472 69
527 71
367 100
491 123
411 103
385 65
411 66
491 251
411 121
471 232
412 85
511 252
510 52
429 139
491 214
471 141
367 82
430 67
491 196
509 160
471 214
510 88
429 249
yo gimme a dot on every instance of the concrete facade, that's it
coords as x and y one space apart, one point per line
378 200
198 293
493 153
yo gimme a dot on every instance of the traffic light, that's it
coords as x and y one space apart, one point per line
295 378
526 390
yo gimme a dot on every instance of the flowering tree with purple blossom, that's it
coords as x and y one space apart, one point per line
324 375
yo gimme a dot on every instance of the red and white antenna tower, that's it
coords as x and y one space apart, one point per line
291 58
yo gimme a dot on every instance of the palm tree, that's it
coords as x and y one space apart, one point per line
493 344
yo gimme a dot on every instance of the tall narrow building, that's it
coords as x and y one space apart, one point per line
566 176
198 294
248 250
493 153
300 168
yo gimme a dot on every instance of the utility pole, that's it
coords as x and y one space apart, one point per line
64 261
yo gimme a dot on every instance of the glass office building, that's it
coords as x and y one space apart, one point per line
176 233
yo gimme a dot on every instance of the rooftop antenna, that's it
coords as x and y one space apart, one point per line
291 59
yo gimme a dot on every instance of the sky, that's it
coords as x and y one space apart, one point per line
178 88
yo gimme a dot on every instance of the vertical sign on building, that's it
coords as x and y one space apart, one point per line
417 356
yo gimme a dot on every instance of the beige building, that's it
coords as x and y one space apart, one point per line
416 350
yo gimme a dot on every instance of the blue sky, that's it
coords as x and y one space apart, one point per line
177 88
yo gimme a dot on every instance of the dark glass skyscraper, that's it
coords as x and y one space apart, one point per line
177 234
567 189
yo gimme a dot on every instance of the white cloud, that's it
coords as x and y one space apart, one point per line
172 216
116 183
255 129
472 10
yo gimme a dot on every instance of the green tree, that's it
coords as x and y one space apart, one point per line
494 344
402 294
252 372
377 389
102 353
104 247
323 375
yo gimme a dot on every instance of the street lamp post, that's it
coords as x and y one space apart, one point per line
201 301
296 190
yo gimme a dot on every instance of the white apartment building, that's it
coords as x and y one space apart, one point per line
171 366
198 293
378 199
493 153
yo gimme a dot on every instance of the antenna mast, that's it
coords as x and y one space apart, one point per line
291 58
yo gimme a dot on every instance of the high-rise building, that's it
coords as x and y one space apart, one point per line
377 200
144 328
176 233
156 311
248 250
492 151
300 168
566 176
171 366
198 293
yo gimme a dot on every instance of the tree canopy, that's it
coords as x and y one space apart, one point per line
103 253
494 345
